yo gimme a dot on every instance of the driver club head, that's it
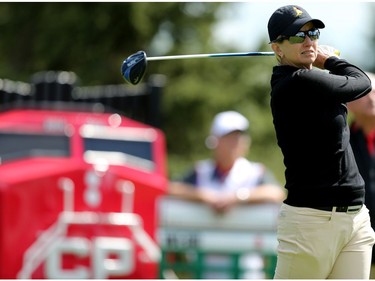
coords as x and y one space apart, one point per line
134 67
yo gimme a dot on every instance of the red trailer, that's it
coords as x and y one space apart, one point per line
77 195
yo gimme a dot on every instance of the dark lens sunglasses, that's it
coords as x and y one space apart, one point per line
300 36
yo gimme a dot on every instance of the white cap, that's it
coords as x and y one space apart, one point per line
227 122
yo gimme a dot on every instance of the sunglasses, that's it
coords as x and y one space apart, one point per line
300 36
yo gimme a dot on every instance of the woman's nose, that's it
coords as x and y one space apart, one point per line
308 40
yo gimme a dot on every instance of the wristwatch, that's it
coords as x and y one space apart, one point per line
243 194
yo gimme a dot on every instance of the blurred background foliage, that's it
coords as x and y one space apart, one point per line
92 40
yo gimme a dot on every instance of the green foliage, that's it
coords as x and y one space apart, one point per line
92 39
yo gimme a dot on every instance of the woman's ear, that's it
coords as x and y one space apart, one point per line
277 50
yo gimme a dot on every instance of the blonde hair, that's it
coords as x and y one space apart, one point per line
278 58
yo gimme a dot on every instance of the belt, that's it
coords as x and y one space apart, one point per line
341 209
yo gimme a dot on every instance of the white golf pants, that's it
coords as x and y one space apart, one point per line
315 244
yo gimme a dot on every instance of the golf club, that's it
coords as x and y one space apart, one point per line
134 67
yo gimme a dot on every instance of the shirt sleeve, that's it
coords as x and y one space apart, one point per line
343 83
190 177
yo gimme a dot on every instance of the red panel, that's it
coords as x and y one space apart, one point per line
95 225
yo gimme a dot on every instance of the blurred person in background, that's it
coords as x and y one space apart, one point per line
228 178
362 140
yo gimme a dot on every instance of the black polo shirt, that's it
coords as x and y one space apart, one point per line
310 119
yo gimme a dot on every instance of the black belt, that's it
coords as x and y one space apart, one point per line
343 209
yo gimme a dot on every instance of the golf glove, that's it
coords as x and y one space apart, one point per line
330 51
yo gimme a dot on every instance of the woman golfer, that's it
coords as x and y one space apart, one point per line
324 229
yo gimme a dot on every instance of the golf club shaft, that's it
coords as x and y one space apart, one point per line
248 54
